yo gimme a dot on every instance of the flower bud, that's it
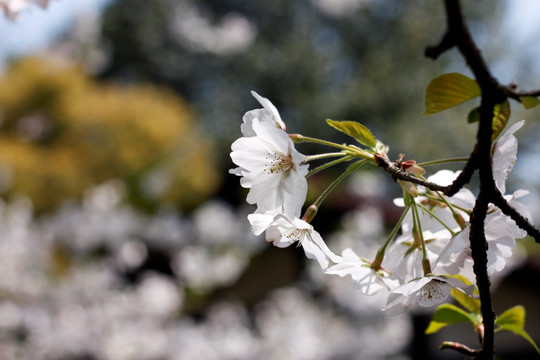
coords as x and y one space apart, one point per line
310 213
408 187
410 166
459 219
296 138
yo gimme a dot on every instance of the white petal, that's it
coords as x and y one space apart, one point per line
367 281
314 252
397 304
433 293
412 286
264 192
443 177
458 243
277 139
262 221
505 155
268 106
318 240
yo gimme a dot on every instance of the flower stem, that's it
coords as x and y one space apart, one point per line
324 156
329 164
443 161
376 264
302 138
350 149
417 226
443 199
352 168
432 214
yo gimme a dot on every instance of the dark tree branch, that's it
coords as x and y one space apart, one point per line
499 201
511 93
447 42
465 176
397 173
457 34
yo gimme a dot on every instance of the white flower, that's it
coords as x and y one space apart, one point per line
500 230
464 199
504 155
12 8
365 278
285 231
261 221
426 291
501 234
271 168
268 114
404 256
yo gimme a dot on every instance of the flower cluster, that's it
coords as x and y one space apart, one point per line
275 174
431 254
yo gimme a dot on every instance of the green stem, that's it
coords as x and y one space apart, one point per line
443 161
437 218
395 229
376 264
352 168
418 226
302 138
445 201
329 164
324 156
350 149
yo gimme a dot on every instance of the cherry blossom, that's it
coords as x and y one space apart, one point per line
268 113
285 231
404 258
368 280
504 155
501 232
426 291
271 168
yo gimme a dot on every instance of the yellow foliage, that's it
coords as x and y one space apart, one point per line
63 132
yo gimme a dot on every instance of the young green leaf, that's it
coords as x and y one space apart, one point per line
449 90
474 115
513 316
529 102
468 302
520 332
447 314
501 115
355 130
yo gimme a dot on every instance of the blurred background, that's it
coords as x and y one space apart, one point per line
122 235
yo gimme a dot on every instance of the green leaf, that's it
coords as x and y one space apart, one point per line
474 115
449 90
468 302
529 102
355 130
514 316
447 314
501 115
520 332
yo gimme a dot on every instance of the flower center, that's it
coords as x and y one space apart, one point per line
278 163
432 293
294 235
